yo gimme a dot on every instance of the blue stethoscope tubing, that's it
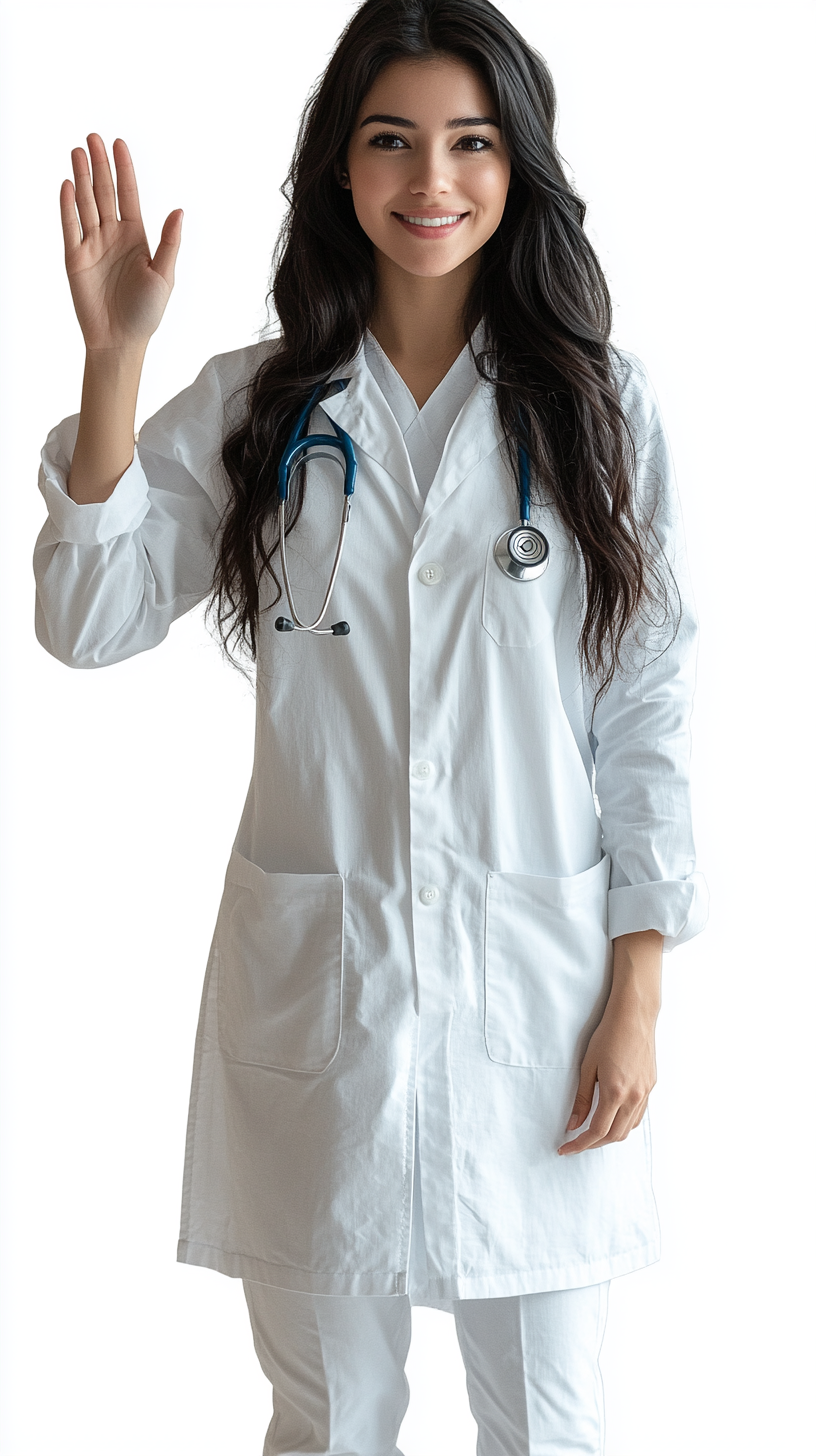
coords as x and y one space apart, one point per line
522 553
293 456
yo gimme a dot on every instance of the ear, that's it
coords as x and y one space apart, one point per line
341 175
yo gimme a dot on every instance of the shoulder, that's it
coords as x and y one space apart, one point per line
224 380
637 393
238 368
221 379
191 427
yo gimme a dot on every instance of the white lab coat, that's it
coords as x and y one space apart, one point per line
419 904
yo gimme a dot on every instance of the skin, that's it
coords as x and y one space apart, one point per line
432 168
426 167
120 293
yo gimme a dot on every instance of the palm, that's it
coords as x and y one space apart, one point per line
119 291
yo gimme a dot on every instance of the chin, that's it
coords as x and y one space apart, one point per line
426 267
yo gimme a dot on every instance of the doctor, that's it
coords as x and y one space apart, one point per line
426 1041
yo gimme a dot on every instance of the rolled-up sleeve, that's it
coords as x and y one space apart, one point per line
112 577
640 728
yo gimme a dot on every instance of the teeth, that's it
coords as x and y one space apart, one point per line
433 221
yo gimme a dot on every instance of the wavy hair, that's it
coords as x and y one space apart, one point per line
540 293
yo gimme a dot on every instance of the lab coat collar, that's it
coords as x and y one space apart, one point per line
363 413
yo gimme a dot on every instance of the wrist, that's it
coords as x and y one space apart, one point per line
637 970
116 358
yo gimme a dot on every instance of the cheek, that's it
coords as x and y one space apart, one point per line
371 192
369 211
492 190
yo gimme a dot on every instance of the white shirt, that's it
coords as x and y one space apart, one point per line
419 904
423 430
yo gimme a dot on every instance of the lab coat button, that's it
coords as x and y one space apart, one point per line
429 894
431 573
422 769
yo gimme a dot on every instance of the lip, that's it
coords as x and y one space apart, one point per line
430 233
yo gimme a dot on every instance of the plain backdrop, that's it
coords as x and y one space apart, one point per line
687 128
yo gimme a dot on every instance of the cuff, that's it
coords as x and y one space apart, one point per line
677 908
89 525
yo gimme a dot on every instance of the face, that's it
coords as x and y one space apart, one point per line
427 165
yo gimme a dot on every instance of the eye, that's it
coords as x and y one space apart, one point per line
388 141
475 144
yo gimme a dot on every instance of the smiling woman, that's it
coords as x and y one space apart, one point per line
435 177
438 178
426 1043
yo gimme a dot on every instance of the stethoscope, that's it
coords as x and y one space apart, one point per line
523 553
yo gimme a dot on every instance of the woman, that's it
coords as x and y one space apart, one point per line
426 1041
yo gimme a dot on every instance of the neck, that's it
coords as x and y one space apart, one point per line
418 322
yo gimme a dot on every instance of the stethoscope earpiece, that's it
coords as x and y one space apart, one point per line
337 629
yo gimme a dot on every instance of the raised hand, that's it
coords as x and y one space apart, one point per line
120 292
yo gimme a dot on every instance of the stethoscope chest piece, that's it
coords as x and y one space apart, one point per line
523 553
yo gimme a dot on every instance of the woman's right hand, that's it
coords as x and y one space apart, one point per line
119 291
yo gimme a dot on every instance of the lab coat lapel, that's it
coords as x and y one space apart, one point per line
475 434
363 413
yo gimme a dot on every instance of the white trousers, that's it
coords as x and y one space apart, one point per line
337 1367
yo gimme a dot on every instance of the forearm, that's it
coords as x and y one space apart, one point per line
620 1057
636 973
104 446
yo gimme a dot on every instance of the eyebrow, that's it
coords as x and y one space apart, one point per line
456 121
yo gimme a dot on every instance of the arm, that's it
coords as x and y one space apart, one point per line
128 543
641 736
113 575
620 1057
120 294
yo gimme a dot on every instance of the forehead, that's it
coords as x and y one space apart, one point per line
428 91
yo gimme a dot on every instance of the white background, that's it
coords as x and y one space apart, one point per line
687 130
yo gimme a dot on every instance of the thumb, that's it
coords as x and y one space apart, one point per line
584 1095
164 261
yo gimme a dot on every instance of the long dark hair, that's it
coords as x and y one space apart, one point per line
541 295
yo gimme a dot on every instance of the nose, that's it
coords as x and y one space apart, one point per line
431 175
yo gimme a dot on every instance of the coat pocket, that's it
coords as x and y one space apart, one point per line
279 940
519 613
547 966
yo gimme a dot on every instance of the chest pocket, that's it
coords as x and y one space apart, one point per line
279 943
523 613
547 966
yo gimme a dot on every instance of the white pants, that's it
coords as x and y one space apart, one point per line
337 1367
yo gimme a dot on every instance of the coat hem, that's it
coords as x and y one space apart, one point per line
436 1293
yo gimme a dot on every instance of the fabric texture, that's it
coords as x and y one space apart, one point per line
441 833
337 1367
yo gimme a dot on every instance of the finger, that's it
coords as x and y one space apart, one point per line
628 1116
602 1120
127 191
85 200
102 180
164 261
640 1113
619 1131
70 222
583 1097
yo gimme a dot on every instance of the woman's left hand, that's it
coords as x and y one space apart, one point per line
620 1057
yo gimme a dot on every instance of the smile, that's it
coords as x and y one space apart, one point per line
421 226
433 222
